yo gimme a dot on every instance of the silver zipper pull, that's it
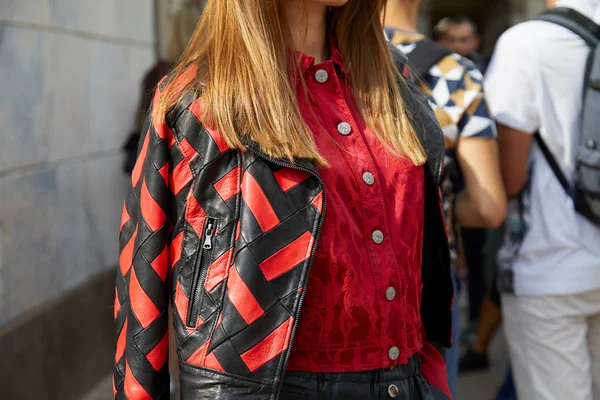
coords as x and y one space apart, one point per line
208 236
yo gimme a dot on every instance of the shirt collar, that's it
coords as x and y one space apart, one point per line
306 61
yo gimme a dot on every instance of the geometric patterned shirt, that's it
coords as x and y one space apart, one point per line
454 89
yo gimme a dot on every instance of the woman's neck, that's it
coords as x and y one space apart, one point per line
401 14
309 35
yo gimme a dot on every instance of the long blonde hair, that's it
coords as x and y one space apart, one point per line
240 52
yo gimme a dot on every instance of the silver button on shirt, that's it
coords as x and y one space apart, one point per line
390 293
393 353
344 128
368 178
393 391
378 237
321 76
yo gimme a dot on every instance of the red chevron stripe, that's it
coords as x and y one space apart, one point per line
242 298
269 348
116 305
188 151
197 358
258 203
288 257
114 387
163 131
212 363
158 355
181 302
121 342
195 215
318 202
237 231
196 109
151 212
228 186
139 164
160 264
144 309
172 141
178 84
126 256
183 80
164 172
217 272
175 249
180 177
289 178
133 389
124 217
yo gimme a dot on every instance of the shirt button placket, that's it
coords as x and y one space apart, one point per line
344 128
368 178
377 237
390 293
394 353
321 76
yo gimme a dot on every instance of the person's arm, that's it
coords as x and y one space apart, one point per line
141 370
483 202
514 154
512 93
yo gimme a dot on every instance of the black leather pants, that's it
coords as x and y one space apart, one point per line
403 382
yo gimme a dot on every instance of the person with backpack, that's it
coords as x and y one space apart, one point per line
542 87
472 190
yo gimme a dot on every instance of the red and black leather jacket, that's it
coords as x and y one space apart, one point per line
227 238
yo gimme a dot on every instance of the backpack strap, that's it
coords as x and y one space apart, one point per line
589 31
558 172
425 55
573 20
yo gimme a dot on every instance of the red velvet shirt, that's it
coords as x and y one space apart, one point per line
361 310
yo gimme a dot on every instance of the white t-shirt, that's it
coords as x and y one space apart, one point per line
534 83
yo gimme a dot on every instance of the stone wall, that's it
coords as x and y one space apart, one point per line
69 87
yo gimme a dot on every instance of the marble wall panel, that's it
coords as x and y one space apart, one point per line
113 19
30 236
63 96
59 227
31 11
23 114
67 101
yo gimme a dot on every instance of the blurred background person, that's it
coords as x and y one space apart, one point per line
473 195
459 33
550 259
183 24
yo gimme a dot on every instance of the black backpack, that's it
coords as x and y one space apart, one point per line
585 190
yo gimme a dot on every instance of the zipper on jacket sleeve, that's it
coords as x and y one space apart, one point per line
201 266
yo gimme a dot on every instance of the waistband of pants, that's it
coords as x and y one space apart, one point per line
383 375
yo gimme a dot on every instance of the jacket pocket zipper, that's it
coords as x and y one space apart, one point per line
201 266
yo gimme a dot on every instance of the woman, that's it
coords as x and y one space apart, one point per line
280 171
